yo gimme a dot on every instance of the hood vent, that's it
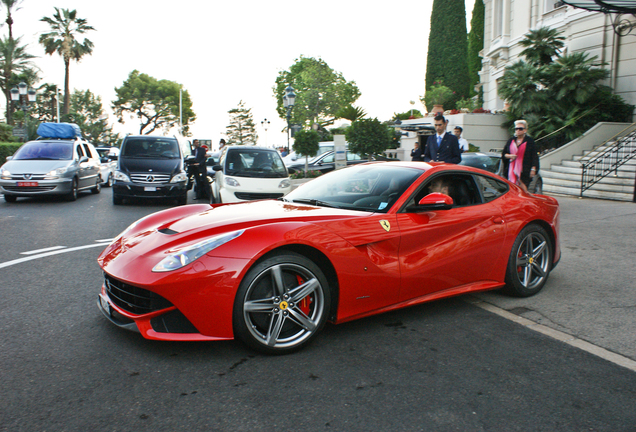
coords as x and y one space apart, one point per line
167 231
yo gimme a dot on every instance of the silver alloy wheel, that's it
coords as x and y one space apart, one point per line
533 260
284 305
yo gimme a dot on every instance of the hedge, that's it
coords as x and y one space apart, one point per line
7 149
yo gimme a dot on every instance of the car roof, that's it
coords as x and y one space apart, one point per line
232 147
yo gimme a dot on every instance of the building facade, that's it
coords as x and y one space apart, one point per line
508 21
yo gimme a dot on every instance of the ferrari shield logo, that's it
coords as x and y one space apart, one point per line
386 225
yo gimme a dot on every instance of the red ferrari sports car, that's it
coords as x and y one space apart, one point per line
349 244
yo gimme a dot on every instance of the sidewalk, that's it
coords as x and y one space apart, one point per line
591 294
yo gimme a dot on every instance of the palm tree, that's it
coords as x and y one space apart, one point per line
10 4
541 45
14 60
65 25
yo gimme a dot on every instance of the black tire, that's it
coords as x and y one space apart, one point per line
72 195
529 263
117 200
98 186
183 200
10 198
282 304
109 182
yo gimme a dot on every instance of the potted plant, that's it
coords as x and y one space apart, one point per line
437 96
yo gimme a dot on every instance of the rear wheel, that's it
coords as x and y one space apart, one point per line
109 182
530 262
281 304
98 186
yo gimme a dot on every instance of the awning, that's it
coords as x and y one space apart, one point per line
605 6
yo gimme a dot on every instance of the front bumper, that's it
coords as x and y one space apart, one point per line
60 186
142 190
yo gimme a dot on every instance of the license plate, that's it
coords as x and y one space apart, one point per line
150 189
105 304
27 184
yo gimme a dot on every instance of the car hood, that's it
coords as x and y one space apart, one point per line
35 166
144 165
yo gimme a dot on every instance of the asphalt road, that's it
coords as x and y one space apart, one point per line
442 366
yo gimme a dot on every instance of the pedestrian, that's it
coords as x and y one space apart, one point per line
416 153
201 175
221 144
442 146
519 157
463 144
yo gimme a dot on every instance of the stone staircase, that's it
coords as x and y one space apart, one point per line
565 179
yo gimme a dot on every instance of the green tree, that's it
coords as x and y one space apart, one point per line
14 60
541 45
475 44
88 113
45 108
241 130
446 60
11 5
351 113
65 27
368 137
154 102
307 143
320 92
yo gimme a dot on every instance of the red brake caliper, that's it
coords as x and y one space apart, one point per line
305 303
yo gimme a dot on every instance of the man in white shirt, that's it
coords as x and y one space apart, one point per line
463 144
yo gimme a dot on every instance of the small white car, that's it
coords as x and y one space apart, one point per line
248 173
107 164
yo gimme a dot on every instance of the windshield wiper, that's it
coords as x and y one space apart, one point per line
315 202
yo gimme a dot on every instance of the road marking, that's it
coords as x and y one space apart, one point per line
42 250
556 334
45 254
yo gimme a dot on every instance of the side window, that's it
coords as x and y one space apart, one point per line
88 152
490 188
460 187
80 152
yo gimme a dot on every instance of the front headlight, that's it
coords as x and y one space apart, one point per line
181 177
232 182
284 184
120 176
56 173
192 253
5 174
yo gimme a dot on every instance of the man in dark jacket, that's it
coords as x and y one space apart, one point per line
442 147
200 171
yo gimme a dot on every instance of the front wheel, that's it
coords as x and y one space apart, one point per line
281 304
72 195
530 262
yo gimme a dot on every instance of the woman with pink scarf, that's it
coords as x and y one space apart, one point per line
519 156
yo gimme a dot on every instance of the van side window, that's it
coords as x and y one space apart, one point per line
80 152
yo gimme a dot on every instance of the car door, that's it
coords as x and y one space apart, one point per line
446 249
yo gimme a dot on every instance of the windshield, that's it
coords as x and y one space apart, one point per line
254 163
45 150
364 187
151 148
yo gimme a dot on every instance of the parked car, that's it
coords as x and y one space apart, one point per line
246 173
323 147
491 162
272 272
325 162
150 167
60 162
108 164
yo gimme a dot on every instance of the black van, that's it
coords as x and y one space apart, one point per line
151 167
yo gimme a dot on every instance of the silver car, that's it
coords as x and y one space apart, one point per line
51 167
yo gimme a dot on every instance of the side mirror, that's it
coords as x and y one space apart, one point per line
104 160
113 157
217 168
83 159
431 202
9 158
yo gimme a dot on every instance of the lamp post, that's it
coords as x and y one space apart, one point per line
288 102
22 95
265 124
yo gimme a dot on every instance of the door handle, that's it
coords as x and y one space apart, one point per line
498 220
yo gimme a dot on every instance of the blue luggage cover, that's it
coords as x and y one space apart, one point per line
59 130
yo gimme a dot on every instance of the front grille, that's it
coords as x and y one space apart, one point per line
172 322
27 177
133 299
257 196
149 178
27 189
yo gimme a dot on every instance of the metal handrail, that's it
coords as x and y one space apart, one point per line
594 169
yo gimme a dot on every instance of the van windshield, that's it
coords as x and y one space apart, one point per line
152 148
254 163
44 150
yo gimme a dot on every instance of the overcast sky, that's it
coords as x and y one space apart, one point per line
226 51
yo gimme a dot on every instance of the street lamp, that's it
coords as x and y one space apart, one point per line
265 124
288 102
22 95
